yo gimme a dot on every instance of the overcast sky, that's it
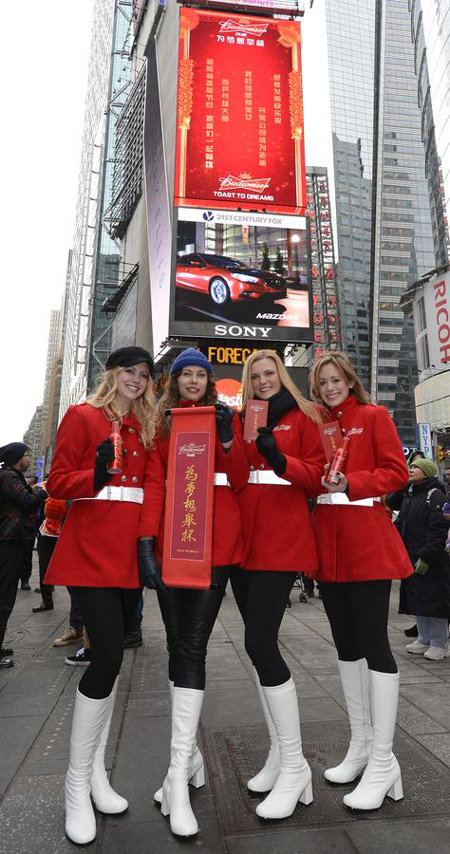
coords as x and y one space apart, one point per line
44 61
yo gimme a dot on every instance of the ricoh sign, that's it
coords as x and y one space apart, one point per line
437 312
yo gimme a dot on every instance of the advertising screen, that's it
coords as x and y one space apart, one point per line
240 275
239 113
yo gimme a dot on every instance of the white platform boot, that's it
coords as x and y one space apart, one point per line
355 684
265 779
293 783
89 718
382 775
197 769
186 708
105 798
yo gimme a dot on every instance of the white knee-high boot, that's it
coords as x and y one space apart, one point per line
186 708
382 775
105 798
355 683
265 779
293 783
197 769
87 724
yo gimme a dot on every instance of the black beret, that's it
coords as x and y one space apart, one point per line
126 357
12 453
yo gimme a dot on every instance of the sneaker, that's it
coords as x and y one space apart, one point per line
417 648
70 635
83 656
25 585
133 639
436 653
412 632
6 662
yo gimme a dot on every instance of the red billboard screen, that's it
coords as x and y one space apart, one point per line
240 113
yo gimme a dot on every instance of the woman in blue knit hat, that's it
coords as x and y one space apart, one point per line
189 615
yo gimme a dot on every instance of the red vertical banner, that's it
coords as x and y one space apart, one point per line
240 113
189 498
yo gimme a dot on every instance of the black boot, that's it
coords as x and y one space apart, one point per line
413 632
133 639
44 606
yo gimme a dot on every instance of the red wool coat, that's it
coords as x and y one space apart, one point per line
361 543
276 524
97 545
227 537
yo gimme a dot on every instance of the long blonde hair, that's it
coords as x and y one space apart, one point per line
311 410
170 399
104 397
343 364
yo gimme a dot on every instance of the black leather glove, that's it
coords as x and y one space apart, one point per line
268 448
104 457
148 566
224 422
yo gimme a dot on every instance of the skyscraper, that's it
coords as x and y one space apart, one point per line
383 225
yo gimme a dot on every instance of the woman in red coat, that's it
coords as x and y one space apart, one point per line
285 461
98 551
360 552
189 615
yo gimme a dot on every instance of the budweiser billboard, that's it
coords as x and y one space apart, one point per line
240 275
239 113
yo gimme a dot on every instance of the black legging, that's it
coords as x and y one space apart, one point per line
107 612
189 617
46 547
261 598
358 614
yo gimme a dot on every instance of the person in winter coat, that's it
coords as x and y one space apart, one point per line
285 461
423 529
189 614
99 551
18 503
360 552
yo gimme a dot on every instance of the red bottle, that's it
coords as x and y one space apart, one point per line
338 463
116 439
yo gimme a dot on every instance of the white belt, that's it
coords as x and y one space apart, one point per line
118 493
267 477
220 479
341 498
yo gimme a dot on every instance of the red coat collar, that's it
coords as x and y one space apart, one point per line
349 405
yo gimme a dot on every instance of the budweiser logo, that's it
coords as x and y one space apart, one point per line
191 449
248 29
253 185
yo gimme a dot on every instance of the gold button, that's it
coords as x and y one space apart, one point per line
124 452
252 468
135 453
134 479
262 466
131 430
339 413
123 478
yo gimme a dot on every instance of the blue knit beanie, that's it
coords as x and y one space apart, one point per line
188 357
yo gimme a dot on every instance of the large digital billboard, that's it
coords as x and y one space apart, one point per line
238 274
239 113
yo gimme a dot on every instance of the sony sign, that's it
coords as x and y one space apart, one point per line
236 331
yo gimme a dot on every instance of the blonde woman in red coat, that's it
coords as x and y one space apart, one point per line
189 615
360 552
286 461
98 552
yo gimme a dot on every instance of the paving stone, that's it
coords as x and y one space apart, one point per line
399 837
17 734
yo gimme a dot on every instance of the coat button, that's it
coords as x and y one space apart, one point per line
124 452
135 453
252 468
134 479
262 466
339 413
123 478
131 430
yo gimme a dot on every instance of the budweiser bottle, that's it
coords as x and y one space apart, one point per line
337 465
116 439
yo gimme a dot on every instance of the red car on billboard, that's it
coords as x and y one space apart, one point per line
226 279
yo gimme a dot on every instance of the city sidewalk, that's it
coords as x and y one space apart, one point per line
36 702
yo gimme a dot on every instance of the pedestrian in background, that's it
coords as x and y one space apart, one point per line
98 553
423 529
54 514
189 614
18 504
360 552
286 461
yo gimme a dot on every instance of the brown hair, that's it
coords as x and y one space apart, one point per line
104 397
170 399
311 410
343 364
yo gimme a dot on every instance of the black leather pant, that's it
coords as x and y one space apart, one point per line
189 617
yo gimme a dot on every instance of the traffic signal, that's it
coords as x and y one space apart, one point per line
440 454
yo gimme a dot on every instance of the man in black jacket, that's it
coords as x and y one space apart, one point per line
17 505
